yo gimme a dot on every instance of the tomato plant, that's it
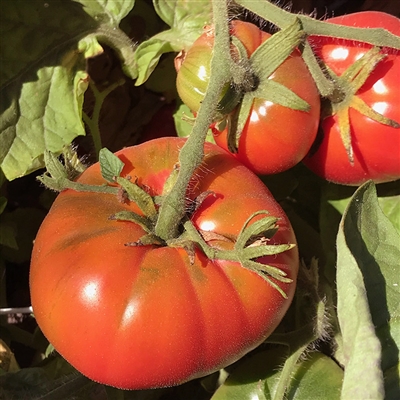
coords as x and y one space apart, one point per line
162 264
146 316
274 137
371 148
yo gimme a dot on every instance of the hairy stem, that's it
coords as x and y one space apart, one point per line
287 373
324 84
93 122
282 18
191 155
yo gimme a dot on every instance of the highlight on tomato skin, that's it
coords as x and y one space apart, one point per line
375 145
138 317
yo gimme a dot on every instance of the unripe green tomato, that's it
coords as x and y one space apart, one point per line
194 68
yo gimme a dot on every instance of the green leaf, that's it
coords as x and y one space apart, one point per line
148 55
391 208
34 383
390 205
184 121
49 122
110 165
194 14
186 19
368 296
43 76
33 30
110 11
317 377
42 80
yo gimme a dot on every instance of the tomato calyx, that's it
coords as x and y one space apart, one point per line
251 243
345 97
276 49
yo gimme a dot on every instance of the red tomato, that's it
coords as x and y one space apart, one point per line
275 138
143 317
376 146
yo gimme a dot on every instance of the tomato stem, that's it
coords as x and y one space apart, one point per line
93 122
120 42
287 373
173 207
282 18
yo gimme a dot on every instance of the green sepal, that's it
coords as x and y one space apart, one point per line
136 194
131 216
73 165
56 175
242 255
147 240
360 105
269 270
242 77
279 94
359 71
345 97
266 227
229 101
276 49
264 272
237 120
262 250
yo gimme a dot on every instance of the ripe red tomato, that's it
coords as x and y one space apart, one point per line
275 138
376 147
144 316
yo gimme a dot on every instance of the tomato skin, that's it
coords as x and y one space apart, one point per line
376 146
139 317
194 66
193 71
275 138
